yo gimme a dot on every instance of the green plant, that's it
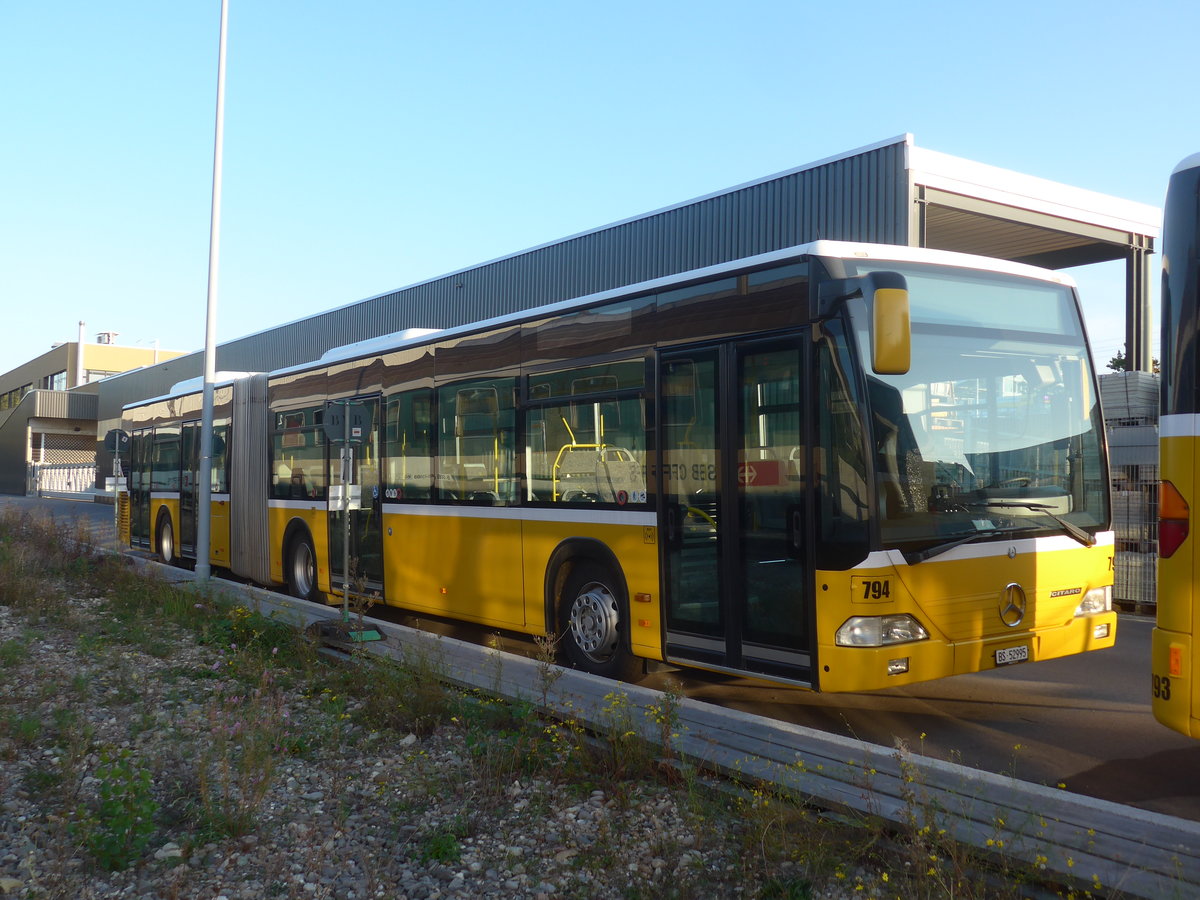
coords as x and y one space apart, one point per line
785 888
42 781
246 735
443 845
249 640
24 730
65 723
627 754
665 714
506 739
548 672
13 653
118 828
90 643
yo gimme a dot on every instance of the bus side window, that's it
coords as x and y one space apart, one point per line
298 456
477 441
585 439
409 449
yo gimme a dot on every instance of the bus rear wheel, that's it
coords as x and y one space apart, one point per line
594 623
302 568
165 536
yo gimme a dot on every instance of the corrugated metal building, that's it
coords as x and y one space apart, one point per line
892 192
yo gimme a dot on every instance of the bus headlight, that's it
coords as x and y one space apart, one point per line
877 631
1094 601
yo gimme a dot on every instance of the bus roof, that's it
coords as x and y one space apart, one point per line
1190 162
831 249
192 386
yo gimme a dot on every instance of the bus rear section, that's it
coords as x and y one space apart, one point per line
1174 671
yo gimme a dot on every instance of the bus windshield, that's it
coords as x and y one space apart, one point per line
996 427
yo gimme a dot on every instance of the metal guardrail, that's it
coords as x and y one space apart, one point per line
1074 837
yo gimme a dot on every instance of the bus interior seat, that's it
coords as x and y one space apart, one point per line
299 486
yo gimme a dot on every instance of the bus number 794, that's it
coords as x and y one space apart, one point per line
876 589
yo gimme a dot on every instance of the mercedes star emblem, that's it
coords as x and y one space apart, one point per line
1012 605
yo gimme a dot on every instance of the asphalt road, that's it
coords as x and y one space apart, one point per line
1082 722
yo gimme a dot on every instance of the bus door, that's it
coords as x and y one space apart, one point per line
736 579
139 487
366 522
188 487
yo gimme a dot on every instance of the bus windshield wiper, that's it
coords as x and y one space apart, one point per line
1088 540
917 556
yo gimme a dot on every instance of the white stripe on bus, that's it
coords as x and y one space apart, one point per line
1179 425
527 514
882 559
507 513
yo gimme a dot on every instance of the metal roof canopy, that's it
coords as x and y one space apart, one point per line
975 208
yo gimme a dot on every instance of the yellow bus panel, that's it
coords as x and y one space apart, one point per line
451 565
1174 694
219 533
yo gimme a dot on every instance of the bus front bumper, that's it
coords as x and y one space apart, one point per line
875 668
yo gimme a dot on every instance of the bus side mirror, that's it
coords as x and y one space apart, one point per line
886 294
891 333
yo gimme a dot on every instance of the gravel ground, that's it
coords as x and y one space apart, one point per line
331 808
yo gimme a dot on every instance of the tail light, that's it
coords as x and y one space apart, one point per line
1173 515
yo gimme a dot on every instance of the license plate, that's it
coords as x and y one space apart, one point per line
1010 655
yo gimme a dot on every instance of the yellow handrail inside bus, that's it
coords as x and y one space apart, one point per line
600 448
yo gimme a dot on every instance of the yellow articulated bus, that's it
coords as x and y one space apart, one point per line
1175 692
839 466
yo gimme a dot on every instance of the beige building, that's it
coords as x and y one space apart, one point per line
48 412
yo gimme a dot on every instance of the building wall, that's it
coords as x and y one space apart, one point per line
113 359
40 414
67 415
32 375
99 360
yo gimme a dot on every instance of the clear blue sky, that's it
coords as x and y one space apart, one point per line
370 145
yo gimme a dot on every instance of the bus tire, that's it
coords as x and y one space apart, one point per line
302 568
164 537
594 622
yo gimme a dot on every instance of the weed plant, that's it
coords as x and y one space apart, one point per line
117 828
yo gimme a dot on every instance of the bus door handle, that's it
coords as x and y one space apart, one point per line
675 514
795 531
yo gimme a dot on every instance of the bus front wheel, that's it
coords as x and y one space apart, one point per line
302 568
593 624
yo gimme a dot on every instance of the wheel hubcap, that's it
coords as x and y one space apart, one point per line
302 570
593 622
